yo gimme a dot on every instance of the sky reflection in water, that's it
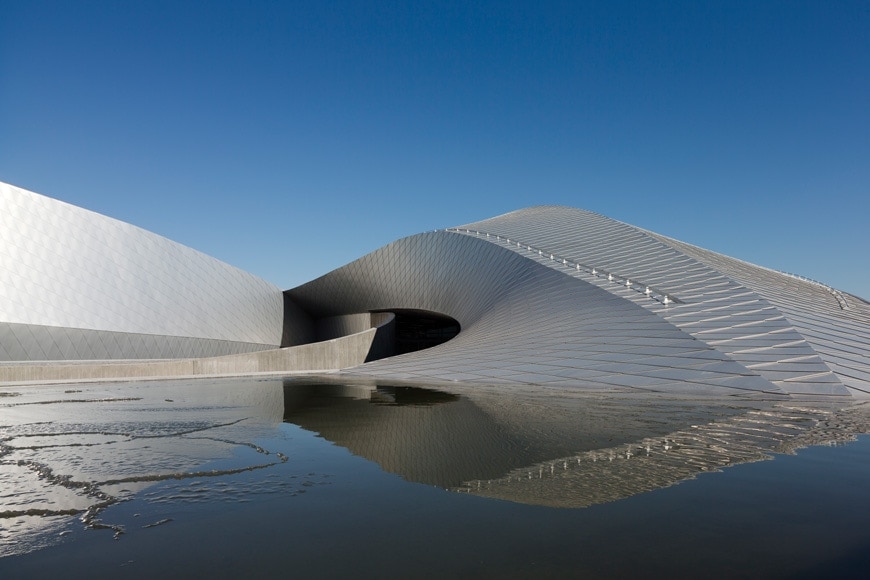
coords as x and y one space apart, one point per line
239 476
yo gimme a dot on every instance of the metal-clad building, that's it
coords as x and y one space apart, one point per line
77 285
566 298
550 296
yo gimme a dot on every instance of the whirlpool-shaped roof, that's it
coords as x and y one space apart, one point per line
564 297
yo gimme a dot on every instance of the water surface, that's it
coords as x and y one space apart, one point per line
221 478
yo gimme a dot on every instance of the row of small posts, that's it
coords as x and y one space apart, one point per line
649 292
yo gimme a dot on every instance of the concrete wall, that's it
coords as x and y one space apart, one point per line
336 326
384 344
335 354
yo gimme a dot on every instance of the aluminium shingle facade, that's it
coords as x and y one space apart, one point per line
75 285
566 298
551 296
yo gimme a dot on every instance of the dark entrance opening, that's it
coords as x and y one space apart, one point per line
419 329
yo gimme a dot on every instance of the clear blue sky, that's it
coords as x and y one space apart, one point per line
288 138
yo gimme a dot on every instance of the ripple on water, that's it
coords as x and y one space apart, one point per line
82 439
68 454
27 489
235 489
22 534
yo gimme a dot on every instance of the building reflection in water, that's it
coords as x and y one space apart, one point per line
68 453
560 449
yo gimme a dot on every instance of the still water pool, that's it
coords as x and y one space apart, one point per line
309 479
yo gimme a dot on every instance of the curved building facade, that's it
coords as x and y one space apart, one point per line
549 296
77 285
566 298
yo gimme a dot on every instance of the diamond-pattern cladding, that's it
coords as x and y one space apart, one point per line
77 285
80 280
